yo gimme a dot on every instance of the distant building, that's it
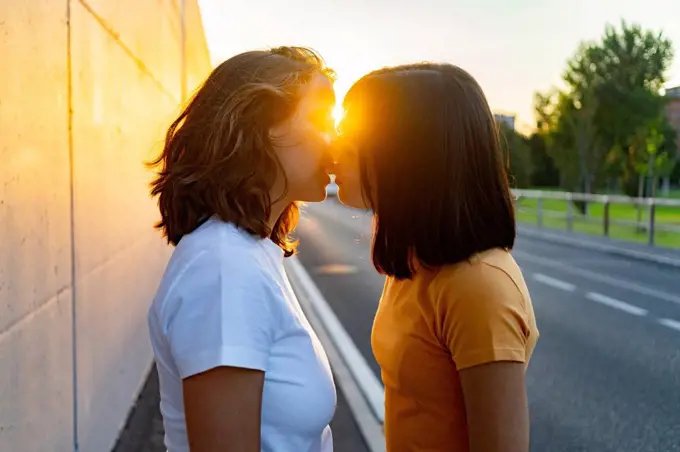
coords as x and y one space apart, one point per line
673 92
508 120
673 112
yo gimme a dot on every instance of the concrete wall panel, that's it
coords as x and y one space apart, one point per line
36 385
125 60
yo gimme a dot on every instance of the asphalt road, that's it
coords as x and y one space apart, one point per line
143 430
605 376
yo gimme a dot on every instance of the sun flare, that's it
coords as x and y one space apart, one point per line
338 113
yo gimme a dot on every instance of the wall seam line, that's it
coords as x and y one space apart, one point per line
74 297
127 50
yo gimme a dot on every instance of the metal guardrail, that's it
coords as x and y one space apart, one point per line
646 210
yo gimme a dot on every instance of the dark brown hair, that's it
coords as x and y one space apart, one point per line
218 158
431 165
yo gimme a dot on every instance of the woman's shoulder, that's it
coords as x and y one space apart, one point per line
217 265
492 269
216 256
219 245
215 234
499 259
488 285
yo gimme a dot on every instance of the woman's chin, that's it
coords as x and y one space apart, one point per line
317 195
350 201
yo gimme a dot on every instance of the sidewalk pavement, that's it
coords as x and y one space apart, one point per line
641 251
143 431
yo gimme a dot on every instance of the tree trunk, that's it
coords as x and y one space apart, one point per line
589 189
666 190
641 188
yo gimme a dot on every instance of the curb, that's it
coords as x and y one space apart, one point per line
606 248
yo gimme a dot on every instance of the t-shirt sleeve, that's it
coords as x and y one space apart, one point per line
483 317
225 315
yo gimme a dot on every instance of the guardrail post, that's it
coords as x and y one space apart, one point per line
652 212
545 210
606 217
570 212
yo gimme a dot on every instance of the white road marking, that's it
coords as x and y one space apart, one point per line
336 269
597 277
554 282
670 323
344 347
616 304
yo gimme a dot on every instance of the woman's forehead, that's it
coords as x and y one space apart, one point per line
319 89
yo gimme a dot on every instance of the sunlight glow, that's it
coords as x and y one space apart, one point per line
338 113
356 37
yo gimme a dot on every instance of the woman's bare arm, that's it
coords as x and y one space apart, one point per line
496 407
223 410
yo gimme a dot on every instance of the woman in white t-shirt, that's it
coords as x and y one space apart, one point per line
240 368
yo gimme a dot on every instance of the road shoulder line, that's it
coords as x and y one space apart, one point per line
597 277
362 389
612 248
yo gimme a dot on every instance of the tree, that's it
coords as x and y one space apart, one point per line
612 90
652 155
567 124
675 173
544 173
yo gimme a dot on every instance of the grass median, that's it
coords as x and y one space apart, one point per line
627 222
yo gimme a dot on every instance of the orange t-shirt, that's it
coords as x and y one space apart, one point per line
430 327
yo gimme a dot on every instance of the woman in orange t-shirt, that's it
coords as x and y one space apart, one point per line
455 326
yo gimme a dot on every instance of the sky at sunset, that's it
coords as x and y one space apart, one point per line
512 47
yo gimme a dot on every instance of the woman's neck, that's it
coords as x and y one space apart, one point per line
275 212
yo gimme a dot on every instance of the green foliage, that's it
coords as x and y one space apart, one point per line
599 128
675 172
518 153
544 173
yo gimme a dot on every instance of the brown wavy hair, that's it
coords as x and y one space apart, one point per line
218 157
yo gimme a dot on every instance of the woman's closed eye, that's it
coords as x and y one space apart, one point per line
343 149
323 121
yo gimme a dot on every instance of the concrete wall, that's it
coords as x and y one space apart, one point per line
79 260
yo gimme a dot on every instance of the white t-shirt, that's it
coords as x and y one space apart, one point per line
225 300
